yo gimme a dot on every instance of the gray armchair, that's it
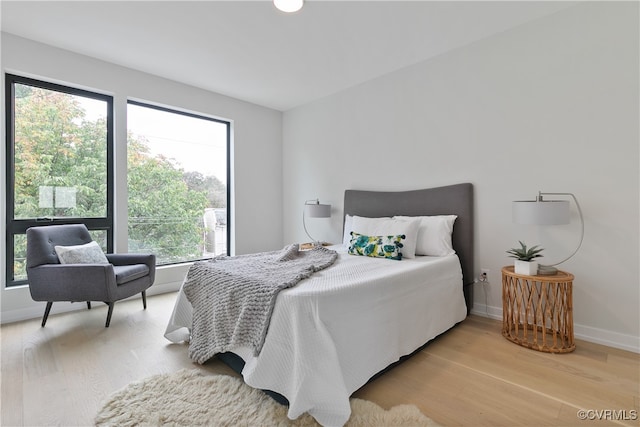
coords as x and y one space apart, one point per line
49 280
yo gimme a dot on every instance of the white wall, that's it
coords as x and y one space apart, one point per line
256 161
551 106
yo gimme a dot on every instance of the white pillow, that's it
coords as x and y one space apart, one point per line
434 234
89 253
348 228
390 227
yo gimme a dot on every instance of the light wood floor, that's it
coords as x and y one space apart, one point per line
471 376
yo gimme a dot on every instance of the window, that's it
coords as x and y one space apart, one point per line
59 163
177 177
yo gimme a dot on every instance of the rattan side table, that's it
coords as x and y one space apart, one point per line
537 311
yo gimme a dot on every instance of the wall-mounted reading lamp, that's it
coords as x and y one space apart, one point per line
547 212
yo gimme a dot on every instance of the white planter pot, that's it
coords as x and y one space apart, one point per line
527 268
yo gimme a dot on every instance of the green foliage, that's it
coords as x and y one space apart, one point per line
216 191
54 146
165 216
57 146
525 254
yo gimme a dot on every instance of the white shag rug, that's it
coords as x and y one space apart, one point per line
189 397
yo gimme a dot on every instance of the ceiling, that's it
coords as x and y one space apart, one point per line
251 51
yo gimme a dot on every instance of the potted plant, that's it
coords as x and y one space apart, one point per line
524 263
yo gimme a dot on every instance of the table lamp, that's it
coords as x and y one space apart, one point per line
313 209
547 212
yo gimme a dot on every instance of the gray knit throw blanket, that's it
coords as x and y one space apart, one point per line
233 297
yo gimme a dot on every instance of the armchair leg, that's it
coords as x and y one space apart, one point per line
109 313
89 305
46 312
144 299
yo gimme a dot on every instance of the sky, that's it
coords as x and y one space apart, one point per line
195 144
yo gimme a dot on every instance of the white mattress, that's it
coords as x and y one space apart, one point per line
329 334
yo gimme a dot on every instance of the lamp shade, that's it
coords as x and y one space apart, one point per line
539 212
317 210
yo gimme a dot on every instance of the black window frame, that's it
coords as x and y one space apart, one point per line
228 161
19 226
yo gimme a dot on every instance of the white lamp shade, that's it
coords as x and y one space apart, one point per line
288 5
552 212
317 210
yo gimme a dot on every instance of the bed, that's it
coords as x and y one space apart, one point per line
335 330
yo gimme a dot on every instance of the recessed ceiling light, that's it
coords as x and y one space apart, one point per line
288 5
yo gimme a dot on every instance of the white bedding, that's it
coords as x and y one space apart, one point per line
333 331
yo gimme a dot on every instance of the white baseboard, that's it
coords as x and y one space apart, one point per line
37 310
586 333
487 311
608 338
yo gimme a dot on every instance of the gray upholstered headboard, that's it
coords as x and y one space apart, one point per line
449 200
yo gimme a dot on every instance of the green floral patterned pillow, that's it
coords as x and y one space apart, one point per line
376 246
